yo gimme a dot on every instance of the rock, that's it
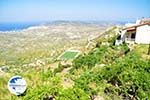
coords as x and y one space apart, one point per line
32 65
98 98
40 63
4 68
102 65
66 70
49 98
105 43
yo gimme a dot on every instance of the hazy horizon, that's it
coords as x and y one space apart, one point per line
77 10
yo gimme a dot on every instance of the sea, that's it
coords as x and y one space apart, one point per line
16 26
4 27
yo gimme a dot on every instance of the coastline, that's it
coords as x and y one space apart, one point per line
20 26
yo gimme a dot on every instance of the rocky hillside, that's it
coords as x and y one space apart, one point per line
103 72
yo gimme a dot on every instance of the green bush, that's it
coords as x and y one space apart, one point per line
72 94
130 75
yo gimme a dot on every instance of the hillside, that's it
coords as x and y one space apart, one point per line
101 72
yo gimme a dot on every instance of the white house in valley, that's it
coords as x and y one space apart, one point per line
138 33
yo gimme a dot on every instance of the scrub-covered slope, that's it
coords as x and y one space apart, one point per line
104 72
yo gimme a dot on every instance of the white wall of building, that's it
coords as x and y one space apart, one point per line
143 34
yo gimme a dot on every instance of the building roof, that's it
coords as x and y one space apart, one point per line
138 25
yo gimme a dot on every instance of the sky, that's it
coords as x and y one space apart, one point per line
84 10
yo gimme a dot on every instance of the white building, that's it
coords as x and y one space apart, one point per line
137 33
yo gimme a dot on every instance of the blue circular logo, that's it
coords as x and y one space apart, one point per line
17 85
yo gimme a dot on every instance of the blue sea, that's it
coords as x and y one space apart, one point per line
15 26
19 26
